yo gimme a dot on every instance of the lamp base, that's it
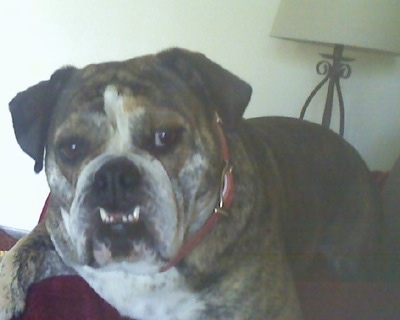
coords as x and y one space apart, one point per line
333 72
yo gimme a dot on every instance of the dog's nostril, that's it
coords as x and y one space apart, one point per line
128 180
100 182
124 179
118 173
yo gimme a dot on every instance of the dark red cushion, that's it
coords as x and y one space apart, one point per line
70 297
66 298
6 241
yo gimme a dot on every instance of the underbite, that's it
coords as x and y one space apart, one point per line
120 217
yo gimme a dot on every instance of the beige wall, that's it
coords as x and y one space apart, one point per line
38 37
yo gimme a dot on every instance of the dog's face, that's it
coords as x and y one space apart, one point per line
132 153
131 166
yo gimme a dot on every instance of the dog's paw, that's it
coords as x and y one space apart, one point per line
9 309
12 294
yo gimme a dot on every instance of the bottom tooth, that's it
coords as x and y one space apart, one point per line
135 215
103 215
109 218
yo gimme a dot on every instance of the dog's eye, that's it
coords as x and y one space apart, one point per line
166 137
72 149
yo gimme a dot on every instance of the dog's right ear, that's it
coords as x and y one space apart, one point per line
230 94
31 111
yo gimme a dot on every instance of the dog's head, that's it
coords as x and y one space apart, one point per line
131 152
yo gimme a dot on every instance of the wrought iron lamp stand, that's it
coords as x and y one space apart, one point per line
333 72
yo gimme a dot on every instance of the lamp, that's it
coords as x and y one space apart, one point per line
367 24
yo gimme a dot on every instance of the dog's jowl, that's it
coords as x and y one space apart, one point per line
172 206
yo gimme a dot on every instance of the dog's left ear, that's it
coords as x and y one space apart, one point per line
31 111
230 94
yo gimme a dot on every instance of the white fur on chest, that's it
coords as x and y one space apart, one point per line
145 297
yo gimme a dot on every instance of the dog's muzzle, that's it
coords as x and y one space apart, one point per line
115 190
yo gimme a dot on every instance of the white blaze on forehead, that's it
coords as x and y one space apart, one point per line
113 102
121 110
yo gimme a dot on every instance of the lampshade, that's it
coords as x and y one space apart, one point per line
368 24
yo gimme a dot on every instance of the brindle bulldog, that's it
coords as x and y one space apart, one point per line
172 206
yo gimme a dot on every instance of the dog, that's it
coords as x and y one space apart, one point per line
172 206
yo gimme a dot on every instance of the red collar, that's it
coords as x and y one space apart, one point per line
225 200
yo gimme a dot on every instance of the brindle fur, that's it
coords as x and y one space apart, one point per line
304 205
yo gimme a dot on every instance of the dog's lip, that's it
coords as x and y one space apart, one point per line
124 236
129 217
122 227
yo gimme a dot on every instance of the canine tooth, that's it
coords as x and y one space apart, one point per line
103 215
124 219
136 213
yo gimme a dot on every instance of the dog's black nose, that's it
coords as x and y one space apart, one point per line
115 184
